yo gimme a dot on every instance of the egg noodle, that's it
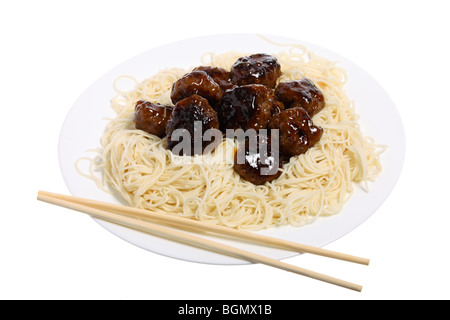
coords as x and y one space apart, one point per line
136 166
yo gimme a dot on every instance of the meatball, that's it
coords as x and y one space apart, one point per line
219 75
246 107
257 165
257 68
301 93
195 115
152 118
297 132
196 82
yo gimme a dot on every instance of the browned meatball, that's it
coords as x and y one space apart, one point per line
196 82
257 165
246 107
257 68
195 115
152 118
297 132
301 93
219 75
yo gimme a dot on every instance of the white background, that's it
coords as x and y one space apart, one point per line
53 50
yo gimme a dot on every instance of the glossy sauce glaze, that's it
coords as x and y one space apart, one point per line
297 131
196 82
245 107
256 159
257 68
186 112
277 106
301 93
219 75
152 118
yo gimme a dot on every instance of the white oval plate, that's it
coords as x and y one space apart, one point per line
85 123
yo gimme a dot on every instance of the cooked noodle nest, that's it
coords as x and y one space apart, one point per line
136 166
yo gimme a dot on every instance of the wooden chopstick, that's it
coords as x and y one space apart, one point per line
201 226
179 236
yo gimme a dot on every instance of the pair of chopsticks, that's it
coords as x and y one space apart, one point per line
156 224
